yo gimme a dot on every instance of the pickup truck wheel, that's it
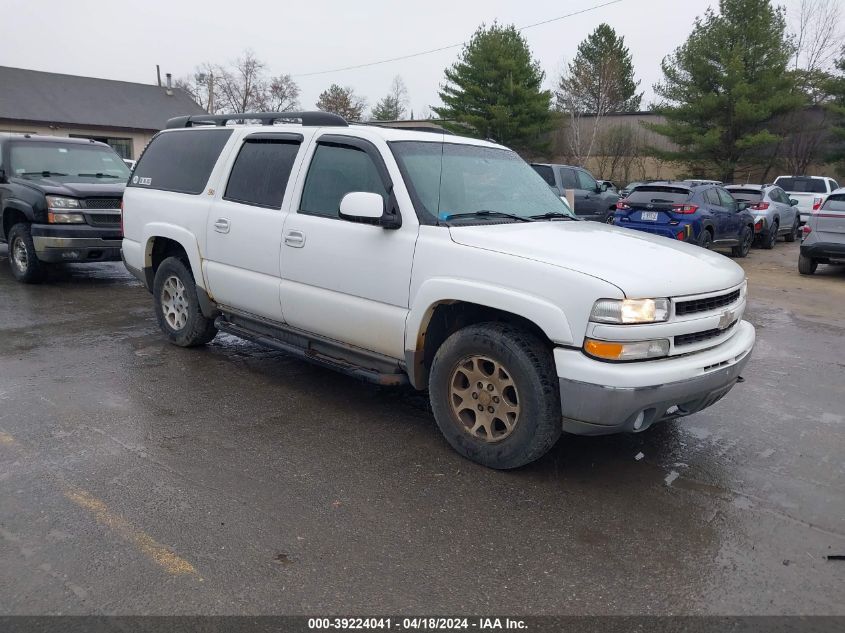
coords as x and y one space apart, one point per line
771 237
744 243
494 393
177 308
807 265
22 256
796 226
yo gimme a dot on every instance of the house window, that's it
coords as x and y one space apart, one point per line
123 146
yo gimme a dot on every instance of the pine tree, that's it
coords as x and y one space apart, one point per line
494 90
722 87
343 101
836 88
600 80
394 105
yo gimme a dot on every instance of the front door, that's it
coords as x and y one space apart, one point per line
345 280
244 232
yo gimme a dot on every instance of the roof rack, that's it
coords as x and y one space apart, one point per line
311 119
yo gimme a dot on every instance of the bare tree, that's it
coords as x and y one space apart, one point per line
817 34
204 87
243 88
282 94
343 101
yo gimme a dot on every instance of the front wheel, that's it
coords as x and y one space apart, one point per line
744 243
807 265
793 234
771 237
495 395
26 267
177 307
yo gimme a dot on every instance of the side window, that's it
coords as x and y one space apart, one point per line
261 172
546 173
586 181
568 179
833 184
781 196
180 161
335 171
727 199
712 197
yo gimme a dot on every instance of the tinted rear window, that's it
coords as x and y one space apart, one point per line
802 185
261 172
746 195
835 203
658 195
546 172
180 161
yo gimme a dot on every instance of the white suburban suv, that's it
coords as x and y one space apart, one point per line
425 258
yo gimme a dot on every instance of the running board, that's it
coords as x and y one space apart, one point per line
306 351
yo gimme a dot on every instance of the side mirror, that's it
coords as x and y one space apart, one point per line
793 202
367 208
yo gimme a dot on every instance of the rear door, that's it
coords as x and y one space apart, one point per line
717 213
569 180
592 199
732 216
785 210
244 232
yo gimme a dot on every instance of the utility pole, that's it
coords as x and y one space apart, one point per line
211 92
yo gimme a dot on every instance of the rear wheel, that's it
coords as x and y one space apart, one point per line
177 307
23 259
706 239
793 234
744 243
771 237
807 265
495 395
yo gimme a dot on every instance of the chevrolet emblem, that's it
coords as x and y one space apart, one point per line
726 319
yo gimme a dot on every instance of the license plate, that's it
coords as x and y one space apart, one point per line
648 215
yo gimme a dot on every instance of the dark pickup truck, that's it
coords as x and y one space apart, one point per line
59 202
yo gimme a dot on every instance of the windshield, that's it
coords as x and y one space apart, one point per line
801 185
450 179
67 161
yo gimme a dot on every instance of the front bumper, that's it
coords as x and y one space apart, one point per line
80 243
599 398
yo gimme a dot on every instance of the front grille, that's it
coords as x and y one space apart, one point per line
698 337
101 203
705 305
104 219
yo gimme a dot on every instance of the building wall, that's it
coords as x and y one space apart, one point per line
136 140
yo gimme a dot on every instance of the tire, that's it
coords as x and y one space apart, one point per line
806 265
744 243
177 308
793 234
770 238
519 383
706 239
610 217
23 260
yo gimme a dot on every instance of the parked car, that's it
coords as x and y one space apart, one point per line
809 191
593 201
398 258
609 186
775 214
697 182
706 215
632 185
59 202
824 235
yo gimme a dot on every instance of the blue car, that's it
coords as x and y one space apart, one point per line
703 214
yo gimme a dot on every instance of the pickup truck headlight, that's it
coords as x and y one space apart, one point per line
630 311
636 350
59 217
58 202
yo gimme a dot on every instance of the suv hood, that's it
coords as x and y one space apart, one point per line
56 187
639 264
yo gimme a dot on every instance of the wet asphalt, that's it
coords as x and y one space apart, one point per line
141 478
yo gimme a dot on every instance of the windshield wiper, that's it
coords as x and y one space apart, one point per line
552 215
97 175
44 174
487 214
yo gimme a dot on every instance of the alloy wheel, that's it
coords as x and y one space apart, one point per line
20 257
484 398
174 305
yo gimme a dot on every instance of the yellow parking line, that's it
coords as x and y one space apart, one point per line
145 543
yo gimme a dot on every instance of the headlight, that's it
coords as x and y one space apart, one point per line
630 311
637 350
57 202
62 217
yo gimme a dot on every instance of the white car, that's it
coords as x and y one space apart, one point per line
809 191
444 262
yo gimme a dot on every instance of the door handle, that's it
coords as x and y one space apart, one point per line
222 225
295 239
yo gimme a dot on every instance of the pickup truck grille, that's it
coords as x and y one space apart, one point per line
101 203
698 337
104 219
693 306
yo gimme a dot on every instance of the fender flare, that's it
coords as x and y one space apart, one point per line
182 236
16 205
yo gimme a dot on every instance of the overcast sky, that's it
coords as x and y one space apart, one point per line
123 40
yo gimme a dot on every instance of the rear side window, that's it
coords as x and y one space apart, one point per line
335 171
567 177
802 185
546 172
261 172
750 195
712 196
835 203
180 161
727 200
658 195
586 181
